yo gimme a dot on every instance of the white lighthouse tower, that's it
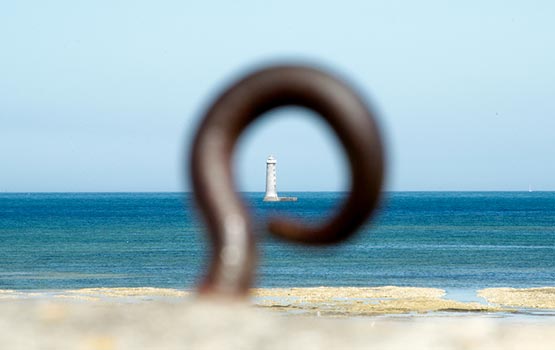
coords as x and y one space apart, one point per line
271 182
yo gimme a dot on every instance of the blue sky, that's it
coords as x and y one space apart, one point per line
105 95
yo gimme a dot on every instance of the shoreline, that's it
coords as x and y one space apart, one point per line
332 301
272 318
213 324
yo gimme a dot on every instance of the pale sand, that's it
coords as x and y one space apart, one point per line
43 324
541 298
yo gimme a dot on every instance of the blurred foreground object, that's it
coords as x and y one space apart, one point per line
233 259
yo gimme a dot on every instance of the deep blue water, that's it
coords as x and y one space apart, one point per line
433 239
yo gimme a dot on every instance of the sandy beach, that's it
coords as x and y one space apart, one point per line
308 318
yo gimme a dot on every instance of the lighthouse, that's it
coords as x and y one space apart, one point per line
271 182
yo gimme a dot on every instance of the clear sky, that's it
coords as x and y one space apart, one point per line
105 95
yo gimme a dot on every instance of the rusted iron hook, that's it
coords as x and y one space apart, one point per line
233 257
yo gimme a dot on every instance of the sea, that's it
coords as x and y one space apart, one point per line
449 240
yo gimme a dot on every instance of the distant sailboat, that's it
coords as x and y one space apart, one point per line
530 188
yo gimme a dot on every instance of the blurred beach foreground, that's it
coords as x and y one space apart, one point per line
278 318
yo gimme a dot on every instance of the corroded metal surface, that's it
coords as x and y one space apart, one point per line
233 257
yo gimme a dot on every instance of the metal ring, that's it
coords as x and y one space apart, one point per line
229 225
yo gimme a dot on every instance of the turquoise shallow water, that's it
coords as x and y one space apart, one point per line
453 240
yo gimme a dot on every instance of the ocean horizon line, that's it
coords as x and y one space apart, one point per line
281 191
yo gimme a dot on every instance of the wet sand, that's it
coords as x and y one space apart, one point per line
538 298
100 294
323 301
349 301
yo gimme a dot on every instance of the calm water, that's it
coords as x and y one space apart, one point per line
432 239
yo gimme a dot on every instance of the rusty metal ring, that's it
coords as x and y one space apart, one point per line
233 257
